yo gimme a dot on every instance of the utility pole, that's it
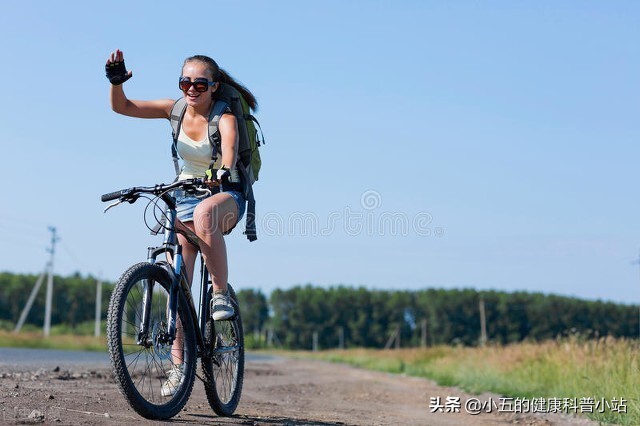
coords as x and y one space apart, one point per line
32 297
394 337
483 323
341 337
637 262
47 309
423 337
269 337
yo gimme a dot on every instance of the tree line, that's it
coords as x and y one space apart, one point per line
73 301
359 317
369 318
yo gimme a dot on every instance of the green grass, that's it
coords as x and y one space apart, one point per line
571 368
80 338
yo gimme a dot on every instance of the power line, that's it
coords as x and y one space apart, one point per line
74 258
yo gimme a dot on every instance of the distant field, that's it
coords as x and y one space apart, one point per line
35 339
595 378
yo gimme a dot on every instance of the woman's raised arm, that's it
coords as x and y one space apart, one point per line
118 74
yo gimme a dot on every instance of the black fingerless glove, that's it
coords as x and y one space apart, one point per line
117 73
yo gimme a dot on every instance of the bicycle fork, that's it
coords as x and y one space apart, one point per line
143 334
173 296
167 332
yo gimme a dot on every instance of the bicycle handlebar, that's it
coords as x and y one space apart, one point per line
131 194
111 196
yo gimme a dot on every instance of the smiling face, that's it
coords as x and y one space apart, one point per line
193 70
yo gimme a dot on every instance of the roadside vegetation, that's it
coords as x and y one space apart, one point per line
35 340
599 373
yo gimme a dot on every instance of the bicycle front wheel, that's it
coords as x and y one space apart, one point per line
155 377
223 362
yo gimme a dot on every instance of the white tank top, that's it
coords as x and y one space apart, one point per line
196 156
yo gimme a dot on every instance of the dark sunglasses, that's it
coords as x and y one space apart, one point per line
200 84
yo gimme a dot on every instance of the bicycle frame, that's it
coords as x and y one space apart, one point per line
180 286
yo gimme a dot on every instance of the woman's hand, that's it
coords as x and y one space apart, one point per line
116 71
213 177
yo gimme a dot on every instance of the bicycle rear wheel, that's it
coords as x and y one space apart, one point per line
141 369
223 362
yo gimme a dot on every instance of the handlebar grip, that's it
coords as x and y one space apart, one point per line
111 196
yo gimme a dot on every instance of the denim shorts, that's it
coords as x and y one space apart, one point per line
186 204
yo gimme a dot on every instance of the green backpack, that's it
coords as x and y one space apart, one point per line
227 98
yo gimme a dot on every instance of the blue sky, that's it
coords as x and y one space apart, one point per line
410 144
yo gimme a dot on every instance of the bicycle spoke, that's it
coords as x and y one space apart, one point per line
150 381
134 362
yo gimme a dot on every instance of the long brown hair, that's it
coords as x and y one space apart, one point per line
222 76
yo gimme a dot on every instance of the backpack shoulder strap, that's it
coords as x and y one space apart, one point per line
219 108
177 112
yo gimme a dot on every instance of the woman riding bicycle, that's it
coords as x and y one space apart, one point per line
214 216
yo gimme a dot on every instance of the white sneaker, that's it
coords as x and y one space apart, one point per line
176 377
221 308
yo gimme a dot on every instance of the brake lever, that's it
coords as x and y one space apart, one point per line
112 205
203 191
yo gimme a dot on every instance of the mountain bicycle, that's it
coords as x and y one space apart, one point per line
153 326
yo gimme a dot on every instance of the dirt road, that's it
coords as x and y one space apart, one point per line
276 392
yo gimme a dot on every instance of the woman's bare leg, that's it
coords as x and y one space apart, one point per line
213 217
189 254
